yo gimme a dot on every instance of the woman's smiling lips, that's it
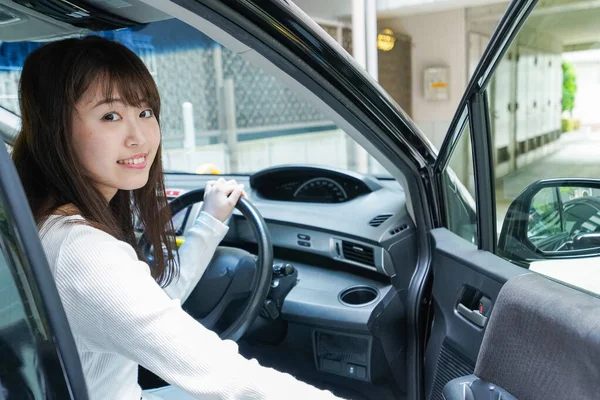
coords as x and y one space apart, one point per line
137 161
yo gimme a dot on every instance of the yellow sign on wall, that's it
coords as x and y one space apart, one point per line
435 81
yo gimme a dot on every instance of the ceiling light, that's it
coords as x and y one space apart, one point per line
386 40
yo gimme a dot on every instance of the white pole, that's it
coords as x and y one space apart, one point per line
371 38
230 125
358 158
218 64
189 141
358 32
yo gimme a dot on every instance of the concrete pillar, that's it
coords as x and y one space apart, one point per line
359 48
371 38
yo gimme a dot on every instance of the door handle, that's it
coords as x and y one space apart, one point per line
473 316
474 306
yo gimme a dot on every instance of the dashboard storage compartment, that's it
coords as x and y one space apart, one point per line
357 296
342 354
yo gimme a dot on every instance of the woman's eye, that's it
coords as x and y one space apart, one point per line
147 114
111 116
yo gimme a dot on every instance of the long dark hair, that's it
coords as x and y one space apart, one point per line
54 78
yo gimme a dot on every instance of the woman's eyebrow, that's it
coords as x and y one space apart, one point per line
116 100
108 101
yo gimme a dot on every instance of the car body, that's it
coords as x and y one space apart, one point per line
383 262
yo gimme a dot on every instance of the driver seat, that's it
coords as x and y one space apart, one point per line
542 342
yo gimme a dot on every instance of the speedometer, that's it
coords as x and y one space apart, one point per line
320 190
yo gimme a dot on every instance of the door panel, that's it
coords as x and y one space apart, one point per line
455 340
38 357
467 279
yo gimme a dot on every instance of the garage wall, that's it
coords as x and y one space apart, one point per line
526 93
395 71
438 39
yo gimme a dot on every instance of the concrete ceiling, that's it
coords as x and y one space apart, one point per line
342 9
571 22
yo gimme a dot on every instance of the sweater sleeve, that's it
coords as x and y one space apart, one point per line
115 306
195 254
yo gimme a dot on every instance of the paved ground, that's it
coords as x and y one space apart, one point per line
577 155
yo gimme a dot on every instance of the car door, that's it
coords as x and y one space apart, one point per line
467 271
38 358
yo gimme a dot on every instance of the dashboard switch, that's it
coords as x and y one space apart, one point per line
303 243
281 270
351 370
331 365
356 371
303 237
361 372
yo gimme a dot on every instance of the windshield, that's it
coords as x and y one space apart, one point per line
220 114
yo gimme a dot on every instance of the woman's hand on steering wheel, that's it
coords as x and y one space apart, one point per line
221 196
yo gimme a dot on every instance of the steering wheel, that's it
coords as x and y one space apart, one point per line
232 275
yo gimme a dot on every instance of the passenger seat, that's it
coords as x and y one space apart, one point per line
542 342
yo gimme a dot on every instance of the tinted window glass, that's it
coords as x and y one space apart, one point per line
544 125
459 189
19 363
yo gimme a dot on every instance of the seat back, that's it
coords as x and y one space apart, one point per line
542 342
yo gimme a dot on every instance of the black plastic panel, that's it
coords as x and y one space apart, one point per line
455 341
308 184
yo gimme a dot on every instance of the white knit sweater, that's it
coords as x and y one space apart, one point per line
120 317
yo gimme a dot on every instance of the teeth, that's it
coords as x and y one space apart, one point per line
133 161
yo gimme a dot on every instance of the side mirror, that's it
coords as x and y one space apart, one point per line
553 219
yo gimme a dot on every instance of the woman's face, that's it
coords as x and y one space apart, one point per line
116 143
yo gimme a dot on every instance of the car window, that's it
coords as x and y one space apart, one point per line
19 364
220 113
545 124
458 185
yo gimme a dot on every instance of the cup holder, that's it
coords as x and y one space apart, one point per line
358 296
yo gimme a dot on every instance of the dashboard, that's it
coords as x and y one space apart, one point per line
319 211
350 240
311 184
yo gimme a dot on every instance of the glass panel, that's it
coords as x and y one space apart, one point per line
219 113
544 119
20 371
459 189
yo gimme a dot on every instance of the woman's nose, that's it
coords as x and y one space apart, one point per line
135 135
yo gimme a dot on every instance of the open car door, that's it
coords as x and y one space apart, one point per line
38 358
470 266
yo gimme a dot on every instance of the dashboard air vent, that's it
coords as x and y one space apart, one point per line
399 229
380 219
358 253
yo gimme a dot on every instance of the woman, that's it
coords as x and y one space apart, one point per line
89 157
